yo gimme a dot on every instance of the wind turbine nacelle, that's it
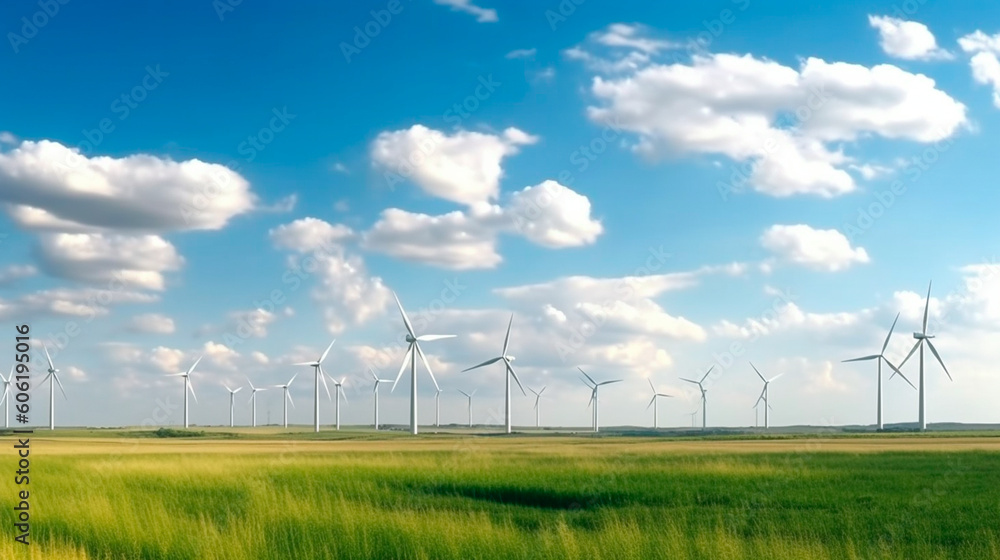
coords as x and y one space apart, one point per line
510 358
920 336
409 339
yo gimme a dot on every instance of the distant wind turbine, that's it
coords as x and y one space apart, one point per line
879 358
693 415
756 410
508 373
339 387
437 408
922 337
287 399
377 381
594 386
232 398
253 403
187 386
6 397
411 356
538 397
652 403
318 376
764 393
704 401
469 396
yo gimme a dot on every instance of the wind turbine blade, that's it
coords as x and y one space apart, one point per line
897 372
510 370
533 391
506 339
706 374
758 373
194 365
433 337
938 356
251 384
227 387
342 391
304 364
322 377
486 363
927 306
651 385
587 383
775 377
861 359
292 379
427 365
689 380
191 388
464 393
610 382
327 351
587 376
289 395
181 374
473 392
402 368
651 401
886 343
6 391
406 320
372 373
63 391
47 357
542 391
912 350
238 389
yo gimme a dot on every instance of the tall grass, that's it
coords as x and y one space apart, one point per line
557 500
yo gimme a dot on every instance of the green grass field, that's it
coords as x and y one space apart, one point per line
496 497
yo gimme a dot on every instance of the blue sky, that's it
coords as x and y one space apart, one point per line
242 141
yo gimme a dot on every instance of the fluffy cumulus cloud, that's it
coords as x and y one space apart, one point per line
482 15
109 259
346 292
985 63
14 272
548 214
909 40
819 249
81 303
463 167
784 125
153 323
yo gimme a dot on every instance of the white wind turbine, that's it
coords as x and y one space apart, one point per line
411 356
253 402
339 386
52 378
652 403
469 396
922 337
187 387
704 401
508 372
318 375
6 397
594 386
437 409
232 407
756 410
693 415
287 399
377 381
880 357
538 397
764 393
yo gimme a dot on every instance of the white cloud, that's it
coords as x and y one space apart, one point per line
463 167
8 138
79 303
139 192
789 317
14 272
483 15
260 357
820 249
309 234
985 63
781 121
548 214
631 36
522 53
131 260
909 40
251 323
154 323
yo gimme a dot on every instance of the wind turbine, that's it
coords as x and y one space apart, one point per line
704 401
693 415
538 396
593 395
6 397
318 374
253 401
756 410
52 375
411 356
652 403
339 385
187 386
879 358
232 398
764 393
377 381
437 409
287 399
922 337
469 395
508 373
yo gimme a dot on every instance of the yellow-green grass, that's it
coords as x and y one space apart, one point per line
488 497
